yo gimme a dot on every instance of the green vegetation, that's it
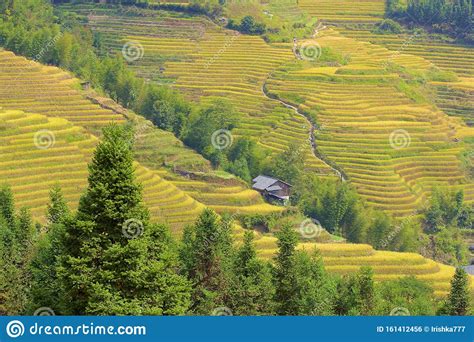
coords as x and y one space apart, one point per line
451 17
247 25
343 104
82 256
16 234
388 26
458 302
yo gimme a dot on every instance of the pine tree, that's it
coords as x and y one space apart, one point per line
356 294
25 229
45 288
314 289
252 289
285 276
7 206
458 302
113 195
301 284
347 296
206 254
111 262
366 290
16 235
57 209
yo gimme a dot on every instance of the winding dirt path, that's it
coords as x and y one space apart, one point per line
311 138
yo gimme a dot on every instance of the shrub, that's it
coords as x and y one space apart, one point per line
388 26
248 25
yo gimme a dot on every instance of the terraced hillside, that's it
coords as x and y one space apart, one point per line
34 169
345 258
46 100
344 11
359 106
393 149
455 99
173 199
210 62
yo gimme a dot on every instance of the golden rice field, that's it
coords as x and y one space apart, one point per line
37 98
39 152
454 98
359 105
208 63
346 258
337 11
393 149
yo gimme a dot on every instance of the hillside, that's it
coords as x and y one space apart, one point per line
369 133
172 199
358 105
204 61
48 100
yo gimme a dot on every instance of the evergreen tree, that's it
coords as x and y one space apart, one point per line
7 206
113 195
347 296
112 262
285 276
45 289
57 209
458 302
366 289
206 253
315 289
407 292
252 290
16 240
301 285
356 294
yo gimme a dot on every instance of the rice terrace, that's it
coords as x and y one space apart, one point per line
269 157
